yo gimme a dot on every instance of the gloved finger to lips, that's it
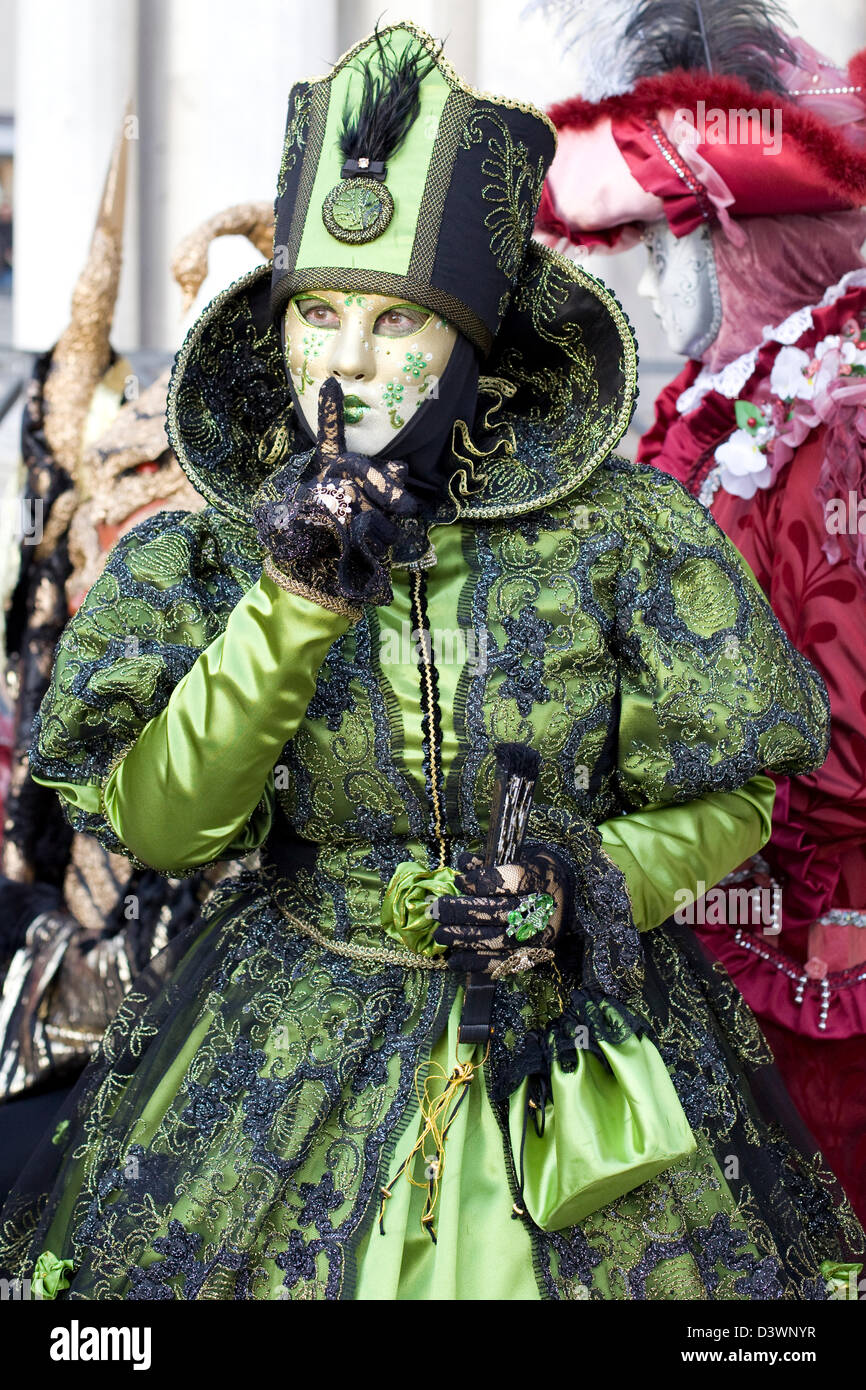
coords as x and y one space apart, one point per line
389 491
331 436
390 475
375 489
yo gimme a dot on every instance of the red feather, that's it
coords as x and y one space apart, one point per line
857 70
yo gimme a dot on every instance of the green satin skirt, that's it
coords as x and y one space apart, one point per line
481 1251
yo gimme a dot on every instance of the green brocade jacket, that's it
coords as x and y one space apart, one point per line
257 1085
196 707
257 1088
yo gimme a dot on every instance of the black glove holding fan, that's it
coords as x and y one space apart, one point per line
507 917
512 908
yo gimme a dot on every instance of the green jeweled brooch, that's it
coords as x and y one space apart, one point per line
531 916
357 210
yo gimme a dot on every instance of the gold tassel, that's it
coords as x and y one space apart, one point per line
438 1118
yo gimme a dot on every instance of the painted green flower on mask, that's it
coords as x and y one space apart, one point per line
392 395
415 364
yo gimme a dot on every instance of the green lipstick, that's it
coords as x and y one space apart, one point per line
353 409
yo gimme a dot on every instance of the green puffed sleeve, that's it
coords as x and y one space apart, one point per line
664 849
174 690
712 692
187 789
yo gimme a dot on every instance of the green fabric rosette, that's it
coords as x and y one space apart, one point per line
404 909
49 1276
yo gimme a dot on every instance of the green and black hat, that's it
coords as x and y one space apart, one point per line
398 178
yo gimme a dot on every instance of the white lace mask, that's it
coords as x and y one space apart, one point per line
681 281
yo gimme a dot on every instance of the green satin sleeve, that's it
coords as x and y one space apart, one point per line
197 783
662 850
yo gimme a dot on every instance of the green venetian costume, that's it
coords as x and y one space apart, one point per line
257 1088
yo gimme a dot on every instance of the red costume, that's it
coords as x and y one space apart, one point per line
769 430
807 984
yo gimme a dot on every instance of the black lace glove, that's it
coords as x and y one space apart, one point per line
335 539
507 918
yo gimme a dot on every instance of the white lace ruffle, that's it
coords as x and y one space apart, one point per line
730 380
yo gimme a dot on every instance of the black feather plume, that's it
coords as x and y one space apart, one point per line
517 760
390 102
729 38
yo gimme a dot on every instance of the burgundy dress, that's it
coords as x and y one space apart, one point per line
807 984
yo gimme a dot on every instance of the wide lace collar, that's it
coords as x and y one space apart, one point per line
558 394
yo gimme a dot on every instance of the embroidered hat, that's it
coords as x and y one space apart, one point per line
397 178
702 119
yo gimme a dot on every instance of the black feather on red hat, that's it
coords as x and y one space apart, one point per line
683 131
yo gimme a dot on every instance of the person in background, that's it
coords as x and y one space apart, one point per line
78 922
738 156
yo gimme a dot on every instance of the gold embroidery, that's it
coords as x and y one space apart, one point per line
296 586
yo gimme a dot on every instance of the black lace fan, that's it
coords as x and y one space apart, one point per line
517 769
730 38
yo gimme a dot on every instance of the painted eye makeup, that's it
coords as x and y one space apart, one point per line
316 312
401 321
658 254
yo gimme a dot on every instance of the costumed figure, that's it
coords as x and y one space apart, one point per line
78 921
467 680
740 158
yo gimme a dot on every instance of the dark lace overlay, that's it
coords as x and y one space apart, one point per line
626 643
272 1143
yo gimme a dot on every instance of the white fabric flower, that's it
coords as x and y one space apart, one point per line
830 354
826 345
788 378
742 466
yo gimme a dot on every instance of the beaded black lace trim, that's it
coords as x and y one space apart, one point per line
431 717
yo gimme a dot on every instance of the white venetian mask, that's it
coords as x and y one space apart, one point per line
681 281
387 354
